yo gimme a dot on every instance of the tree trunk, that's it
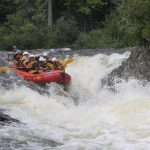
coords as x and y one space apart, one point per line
91 21
85 24
50 21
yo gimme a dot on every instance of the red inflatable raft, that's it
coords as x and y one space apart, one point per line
57 76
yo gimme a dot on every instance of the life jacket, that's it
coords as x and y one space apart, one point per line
30 63
35 66
57 65
49 66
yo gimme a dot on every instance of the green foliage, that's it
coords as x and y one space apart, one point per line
146 32
96 39
137 15
63 33
84 7
117 23
24 28
117 30
7 7
27 36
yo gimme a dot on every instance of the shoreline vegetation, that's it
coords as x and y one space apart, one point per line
79 25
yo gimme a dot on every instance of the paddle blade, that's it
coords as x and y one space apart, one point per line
3 69
68 61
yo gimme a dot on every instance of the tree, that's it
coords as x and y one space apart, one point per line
84 9
50 21
25 27
6 8
135 15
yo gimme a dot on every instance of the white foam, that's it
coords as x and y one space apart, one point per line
102 120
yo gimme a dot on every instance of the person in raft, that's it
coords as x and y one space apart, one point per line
17 57
35 65
25 59
14 48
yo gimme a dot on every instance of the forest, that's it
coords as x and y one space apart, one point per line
78 24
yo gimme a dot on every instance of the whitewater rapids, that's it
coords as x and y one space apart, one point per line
101 119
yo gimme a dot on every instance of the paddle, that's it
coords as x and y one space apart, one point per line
68 61
3 69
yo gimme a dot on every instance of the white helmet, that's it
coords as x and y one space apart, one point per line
45 54
32 56
42 59
25 53
54 59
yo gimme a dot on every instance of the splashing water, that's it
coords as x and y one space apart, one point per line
101 120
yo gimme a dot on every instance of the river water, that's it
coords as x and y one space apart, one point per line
85 117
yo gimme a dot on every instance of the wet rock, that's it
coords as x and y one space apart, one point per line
136 66
6 119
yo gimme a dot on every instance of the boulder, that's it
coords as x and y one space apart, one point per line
6 119
136 66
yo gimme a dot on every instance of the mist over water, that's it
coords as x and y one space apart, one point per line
101 119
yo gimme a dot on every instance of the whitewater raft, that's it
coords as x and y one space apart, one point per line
57 76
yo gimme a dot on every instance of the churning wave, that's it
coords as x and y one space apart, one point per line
86 116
